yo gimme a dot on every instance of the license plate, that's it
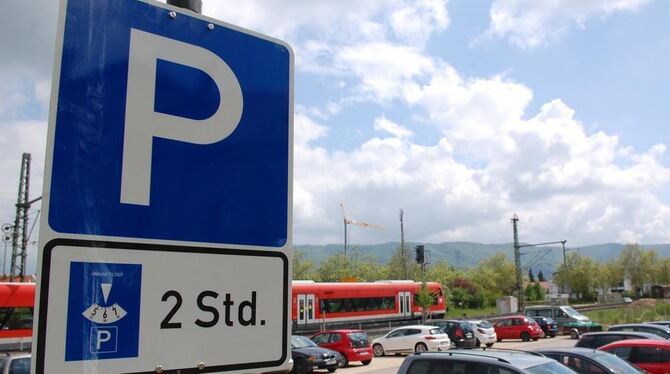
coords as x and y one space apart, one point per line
365 353
330 361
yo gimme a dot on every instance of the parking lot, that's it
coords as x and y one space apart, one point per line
390 364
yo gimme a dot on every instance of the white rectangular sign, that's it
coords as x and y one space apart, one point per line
194 307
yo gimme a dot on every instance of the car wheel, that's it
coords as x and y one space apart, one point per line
420 347
525 336
552 335
378 350
535 339
300 366
574 334
489 345
478 343
366 362
344 363
498 340
332 369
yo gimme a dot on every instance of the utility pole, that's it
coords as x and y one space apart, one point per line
345 236
517 263
194 5
564 257
403 252
20 230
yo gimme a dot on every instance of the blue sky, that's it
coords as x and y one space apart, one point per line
459 112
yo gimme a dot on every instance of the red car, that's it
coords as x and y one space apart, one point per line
652 356
517 327
353 345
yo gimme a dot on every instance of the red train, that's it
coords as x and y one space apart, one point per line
17 302
340 302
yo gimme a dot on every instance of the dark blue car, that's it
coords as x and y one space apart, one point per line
548 325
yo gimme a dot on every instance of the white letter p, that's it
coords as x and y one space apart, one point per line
143 123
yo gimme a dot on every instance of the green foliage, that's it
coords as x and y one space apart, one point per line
303 268
531 276
631 314
540 276
424 299
534 292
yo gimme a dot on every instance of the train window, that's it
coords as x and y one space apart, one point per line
357 305
16 318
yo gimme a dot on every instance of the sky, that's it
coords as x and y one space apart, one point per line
461 113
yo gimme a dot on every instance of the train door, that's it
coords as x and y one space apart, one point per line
305 309
405 304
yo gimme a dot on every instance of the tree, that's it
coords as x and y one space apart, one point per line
424 300
638 266
303 268
531 276
400 266
540 276
539 291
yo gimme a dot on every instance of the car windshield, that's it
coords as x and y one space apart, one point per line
466 327
571 312
484 325
530 320
301 342
550 368
614 363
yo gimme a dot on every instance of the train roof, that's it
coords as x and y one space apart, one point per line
17 294
357 285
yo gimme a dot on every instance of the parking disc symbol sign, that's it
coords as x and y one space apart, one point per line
103 311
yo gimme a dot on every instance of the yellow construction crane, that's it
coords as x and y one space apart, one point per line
348 221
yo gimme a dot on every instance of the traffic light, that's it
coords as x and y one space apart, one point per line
420 257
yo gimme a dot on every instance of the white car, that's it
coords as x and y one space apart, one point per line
411 339
484 332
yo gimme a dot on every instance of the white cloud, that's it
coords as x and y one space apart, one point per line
529 23
494 158
383 124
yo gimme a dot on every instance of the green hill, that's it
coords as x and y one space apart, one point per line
467 254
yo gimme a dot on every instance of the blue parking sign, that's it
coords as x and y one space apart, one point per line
168 127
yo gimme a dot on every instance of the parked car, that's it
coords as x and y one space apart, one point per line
588 361
307 356
598 339
481 361
570 322
15 363
662 323
460 332
408 339
353 345
517 327
662 331
484 333
548 325
652 356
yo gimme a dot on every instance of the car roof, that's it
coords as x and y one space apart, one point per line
638 343
629 333
421 327
15 354
576 350
651 325
338 331
520 359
